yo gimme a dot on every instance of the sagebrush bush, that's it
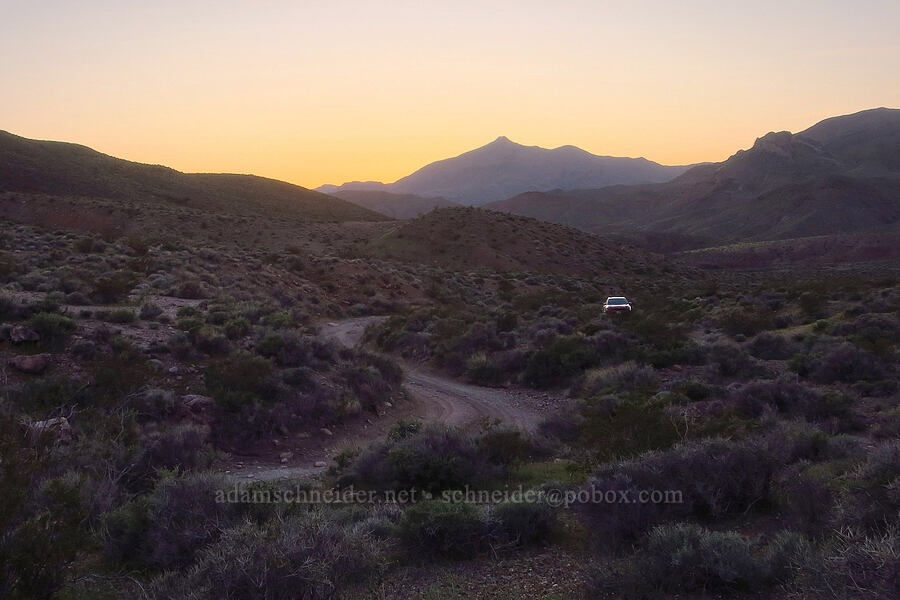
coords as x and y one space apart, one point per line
304 556
445 530
771 346
871 499
526 523
848 364
729 360
851 565
625 378
164 528
53 328
715 478
433 459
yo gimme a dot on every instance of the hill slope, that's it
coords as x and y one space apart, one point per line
503 168
468 238
840 176
397 206
62 169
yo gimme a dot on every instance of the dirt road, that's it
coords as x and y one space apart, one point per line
445 400
434 399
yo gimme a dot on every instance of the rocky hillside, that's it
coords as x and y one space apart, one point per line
62 169
840 176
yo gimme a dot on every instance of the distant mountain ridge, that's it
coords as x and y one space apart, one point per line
64 169
396 206
504 168
840 176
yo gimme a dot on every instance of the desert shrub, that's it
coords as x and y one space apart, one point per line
771 346
120 315
848 364
678 353
526 523
113 287
688 558
616 427
852 565
53 328
871 499
745 322
304 556
181 447
445 530
190 289
625 378
210 340
77 298
239 379
154 403
404 428
695 390
480 369
368 385
729 360
167 526
505 446
811 304
715 477
786 396
302 378
237 328
433 459
150 311
47 394
42 539
190 324
565 357
118 372
804 492
563 425
8 265
179 344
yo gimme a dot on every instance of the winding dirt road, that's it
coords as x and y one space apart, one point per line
434 399
444 400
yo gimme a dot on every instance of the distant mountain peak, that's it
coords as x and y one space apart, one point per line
504 168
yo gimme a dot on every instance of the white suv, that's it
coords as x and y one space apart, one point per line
616 304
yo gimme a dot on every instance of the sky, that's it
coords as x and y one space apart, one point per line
340 90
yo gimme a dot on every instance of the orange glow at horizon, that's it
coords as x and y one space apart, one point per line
316 94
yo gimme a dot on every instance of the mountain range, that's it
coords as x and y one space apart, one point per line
840 176
504 168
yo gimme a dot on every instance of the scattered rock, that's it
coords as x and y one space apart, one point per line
389 405
286 455
326 431
173 370
32 364
20 334
302 435
321 463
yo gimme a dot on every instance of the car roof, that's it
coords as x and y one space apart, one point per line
617 298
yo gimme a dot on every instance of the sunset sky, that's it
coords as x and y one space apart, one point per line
327 92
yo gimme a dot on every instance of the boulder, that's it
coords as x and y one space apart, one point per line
33 364
58 428
20 334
